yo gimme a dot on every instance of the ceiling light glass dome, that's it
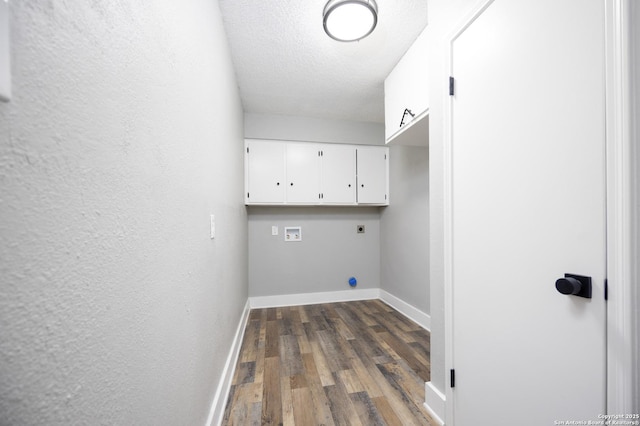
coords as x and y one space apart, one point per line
350 20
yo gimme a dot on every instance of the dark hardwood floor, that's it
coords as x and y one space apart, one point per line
351 363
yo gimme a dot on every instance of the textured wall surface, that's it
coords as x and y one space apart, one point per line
404 227
329 254
124 133
304 72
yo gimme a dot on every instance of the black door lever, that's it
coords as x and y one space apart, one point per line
576 285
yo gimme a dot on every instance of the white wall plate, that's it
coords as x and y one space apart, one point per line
292 233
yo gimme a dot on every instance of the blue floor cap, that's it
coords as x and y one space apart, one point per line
353 282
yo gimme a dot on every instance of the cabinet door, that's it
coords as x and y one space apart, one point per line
373 172
406 88
265 172
338 174
303 173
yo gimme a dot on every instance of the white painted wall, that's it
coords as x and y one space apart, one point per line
123 134
404 227
444 17
309 129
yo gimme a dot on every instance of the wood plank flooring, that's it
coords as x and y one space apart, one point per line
352 363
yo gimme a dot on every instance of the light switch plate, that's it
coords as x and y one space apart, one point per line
274 230
5 53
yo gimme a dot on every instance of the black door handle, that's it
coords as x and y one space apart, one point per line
576 285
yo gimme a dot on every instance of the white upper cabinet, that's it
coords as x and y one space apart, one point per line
373 169
406 97
301 173
338 174
264 172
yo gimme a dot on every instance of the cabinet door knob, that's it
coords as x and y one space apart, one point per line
349 185
362 185
277 183
291 183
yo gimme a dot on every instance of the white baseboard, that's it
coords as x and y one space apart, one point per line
216 413
411 312
434 403
313 298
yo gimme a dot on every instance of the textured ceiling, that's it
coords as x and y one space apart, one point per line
286 64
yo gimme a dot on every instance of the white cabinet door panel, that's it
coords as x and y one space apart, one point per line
372 169
303 173
406 88
338 175
265 172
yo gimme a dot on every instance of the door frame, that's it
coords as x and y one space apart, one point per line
621 328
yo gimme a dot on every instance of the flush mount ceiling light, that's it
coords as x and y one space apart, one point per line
350 20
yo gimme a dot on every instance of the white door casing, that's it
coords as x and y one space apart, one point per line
526 204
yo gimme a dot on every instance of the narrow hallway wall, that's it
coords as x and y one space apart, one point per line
124 134
404 228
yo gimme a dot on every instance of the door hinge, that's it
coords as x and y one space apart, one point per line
606 289
247 195
453 378
385 156
247 150
451 86
385 196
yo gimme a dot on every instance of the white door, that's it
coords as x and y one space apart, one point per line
528 204
265 174
303 173
338 177
372 174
